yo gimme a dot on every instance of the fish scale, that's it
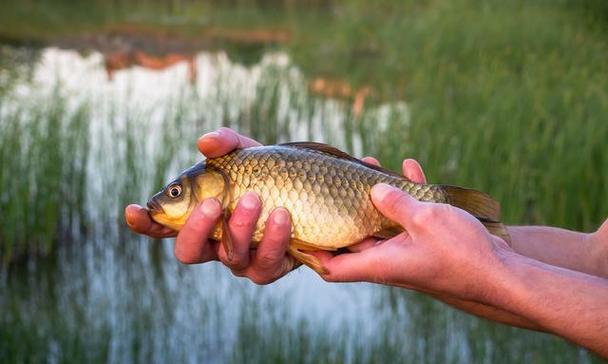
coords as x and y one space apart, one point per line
326 191
328 198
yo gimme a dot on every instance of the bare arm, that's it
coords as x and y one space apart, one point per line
583 252
447 253
488 312
571 304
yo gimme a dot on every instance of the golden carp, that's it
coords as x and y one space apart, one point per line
326 191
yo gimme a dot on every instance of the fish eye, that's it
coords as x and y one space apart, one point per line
174 191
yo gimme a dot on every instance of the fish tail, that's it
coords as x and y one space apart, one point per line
498 229
482 206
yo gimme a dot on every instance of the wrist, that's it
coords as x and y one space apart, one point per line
598 247
505 279
497 277
522 280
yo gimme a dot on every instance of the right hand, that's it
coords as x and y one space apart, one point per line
263 265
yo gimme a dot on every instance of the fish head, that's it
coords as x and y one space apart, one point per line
173 204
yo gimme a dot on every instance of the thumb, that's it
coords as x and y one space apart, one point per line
223 141
395 204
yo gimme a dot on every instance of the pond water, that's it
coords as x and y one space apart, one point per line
104 294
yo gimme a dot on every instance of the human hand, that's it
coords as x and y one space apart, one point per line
443 250
264 265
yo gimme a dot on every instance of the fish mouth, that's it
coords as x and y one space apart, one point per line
154 207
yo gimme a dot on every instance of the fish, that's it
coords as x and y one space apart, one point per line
325 190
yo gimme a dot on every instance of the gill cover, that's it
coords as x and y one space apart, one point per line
195 184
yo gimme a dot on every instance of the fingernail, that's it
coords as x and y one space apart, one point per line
210 208
380 191
128 215
280 216
249 201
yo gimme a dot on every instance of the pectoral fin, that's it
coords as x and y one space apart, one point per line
226 236
388 232
310 260
226 199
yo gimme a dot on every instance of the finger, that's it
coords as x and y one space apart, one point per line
242 225
395 204
364 245
192 245
371 160
270 261
348 267
413 171
139 221
223 141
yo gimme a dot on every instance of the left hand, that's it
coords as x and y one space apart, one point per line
263 265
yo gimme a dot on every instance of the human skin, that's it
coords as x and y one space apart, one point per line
477 272
448 253
263 265
270 260
587 253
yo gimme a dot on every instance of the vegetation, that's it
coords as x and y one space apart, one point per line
43 156
506 97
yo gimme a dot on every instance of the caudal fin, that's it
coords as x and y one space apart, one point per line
498 229
482 206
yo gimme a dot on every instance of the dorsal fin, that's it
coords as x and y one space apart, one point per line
328 149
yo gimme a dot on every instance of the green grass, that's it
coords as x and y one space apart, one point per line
506 105
43 155
506 97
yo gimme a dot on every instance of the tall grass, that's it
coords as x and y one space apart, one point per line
504 104
43 154
509 98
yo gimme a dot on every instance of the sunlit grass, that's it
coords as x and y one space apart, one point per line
509 98
43 155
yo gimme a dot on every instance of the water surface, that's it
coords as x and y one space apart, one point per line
86 130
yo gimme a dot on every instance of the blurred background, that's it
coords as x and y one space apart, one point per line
101 103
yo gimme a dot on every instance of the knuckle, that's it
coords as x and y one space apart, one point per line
423 216
431 213
235 263
242 219
443 210
396 200
267 261
259 279
226 130
238 272
277 235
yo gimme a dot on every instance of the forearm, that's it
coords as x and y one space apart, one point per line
560 247
489 312
571 304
